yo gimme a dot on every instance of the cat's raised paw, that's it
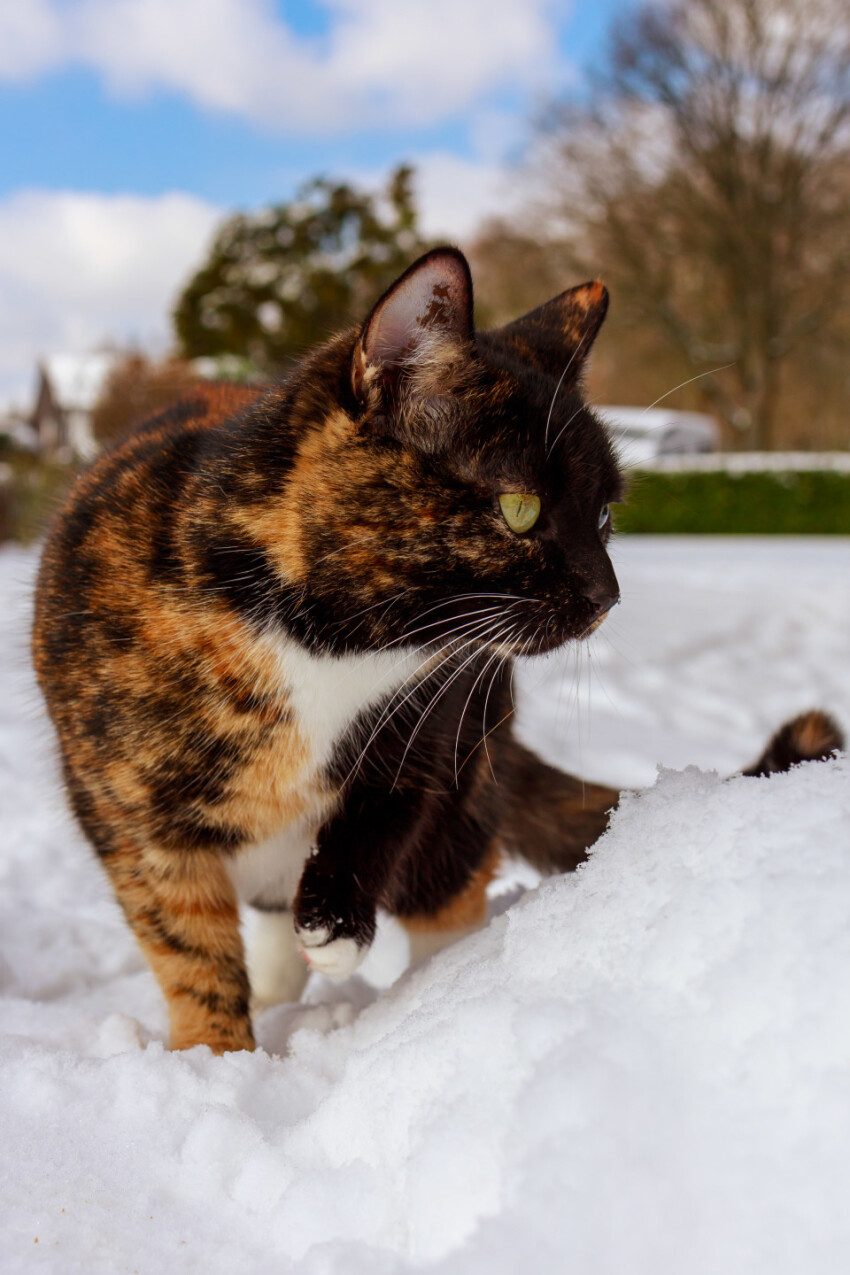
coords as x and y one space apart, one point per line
337 958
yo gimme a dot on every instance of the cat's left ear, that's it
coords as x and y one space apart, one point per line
557 336
433 296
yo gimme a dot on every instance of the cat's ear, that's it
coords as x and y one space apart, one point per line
434 296
557 336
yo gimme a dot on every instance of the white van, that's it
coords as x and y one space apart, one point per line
643 433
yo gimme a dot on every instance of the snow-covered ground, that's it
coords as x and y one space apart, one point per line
644 1068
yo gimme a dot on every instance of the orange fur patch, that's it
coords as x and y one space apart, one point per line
814 733
465 909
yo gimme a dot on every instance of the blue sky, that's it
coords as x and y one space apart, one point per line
129 127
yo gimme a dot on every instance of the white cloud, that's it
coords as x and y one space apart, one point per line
76 269
30 38
383 61
455 195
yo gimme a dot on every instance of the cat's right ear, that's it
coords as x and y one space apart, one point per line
434 296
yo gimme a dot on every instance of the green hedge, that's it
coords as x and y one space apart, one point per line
807 503
31 491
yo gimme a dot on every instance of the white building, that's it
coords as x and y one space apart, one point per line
69 386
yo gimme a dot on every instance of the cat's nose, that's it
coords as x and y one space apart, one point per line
601 598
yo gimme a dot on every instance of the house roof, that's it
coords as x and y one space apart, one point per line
76 380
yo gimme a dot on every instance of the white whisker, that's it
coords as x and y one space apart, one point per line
439 695
711 372
561 381
389 711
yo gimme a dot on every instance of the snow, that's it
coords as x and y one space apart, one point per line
746 462
642 1067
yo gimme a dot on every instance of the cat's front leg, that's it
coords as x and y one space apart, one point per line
343 881
335 923
182 907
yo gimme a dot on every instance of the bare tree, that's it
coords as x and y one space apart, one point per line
708 182
137 388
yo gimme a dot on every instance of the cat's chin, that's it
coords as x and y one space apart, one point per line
547 642
591 628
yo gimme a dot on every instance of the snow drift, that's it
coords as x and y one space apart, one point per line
644 1066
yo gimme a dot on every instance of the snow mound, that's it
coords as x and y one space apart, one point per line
645 1066
642 1067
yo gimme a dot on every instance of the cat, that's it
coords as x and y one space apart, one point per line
275 631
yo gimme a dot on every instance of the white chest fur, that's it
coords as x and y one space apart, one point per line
326 694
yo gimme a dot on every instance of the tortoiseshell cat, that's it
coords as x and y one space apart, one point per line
274 630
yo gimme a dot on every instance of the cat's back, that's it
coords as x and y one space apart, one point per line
134 661
115 526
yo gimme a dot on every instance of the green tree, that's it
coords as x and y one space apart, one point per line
282 279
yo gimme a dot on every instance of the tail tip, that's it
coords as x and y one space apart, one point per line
815 735
812 736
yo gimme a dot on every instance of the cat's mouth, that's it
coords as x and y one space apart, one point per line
545 640
596 624
526 626
555 634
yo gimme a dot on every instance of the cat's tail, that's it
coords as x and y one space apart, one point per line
550 819
546 817
813 736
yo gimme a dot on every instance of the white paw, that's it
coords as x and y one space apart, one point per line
338 958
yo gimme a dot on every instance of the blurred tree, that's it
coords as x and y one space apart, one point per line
135 389
514 270
280 280
707 181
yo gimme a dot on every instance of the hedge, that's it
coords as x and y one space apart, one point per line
31 491
802 503
807 502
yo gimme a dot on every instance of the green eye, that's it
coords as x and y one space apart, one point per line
521 510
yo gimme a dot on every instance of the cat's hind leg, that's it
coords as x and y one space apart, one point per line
429 932
425 943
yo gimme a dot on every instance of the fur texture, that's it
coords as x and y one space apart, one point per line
275 629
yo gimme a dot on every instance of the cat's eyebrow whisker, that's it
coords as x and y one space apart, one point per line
562 430
711 372
570 362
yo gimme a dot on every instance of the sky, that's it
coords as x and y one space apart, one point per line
130 128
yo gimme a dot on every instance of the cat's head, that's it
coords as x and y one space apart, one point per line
458 487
